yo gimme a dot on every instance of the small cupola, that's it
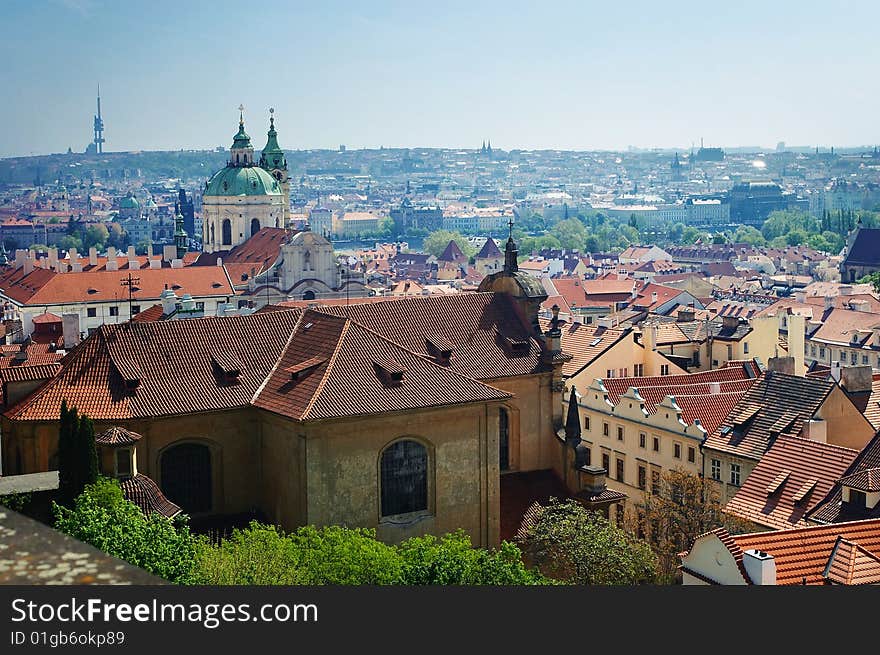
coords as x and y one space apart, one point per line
860 492
118 452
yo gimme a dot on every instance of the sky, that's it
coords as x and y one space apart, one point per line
579 75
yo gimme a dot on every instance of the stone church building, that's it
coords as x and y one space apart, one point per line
399 415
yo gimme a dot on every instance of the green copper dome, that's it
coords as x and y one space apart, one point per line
242 181
129 202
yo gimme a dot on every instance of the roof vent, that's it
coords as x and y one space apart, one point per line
389 371
440 348
227 366
302 369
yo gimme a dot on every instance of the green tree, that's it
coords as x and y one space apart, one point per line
570 233
452 560
750 235
686 506
95 235
570 543
437 241
77 455
101 517
68 242
118 237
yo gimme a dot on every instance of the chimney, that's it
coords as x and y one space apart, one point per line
653 297
800 297
20 257
593 480
28 265
77 266
169 253
730 322
816 429
70 330
150 249
131 253
169 301
829 302
649 337
686 315
714 388
53 258
781 365
111 253
845 290
760 567
856 379
176 263
93 256
155 263
73 255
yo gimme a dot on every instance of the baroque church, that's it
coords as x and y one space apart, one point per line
400 415
245 196
246 216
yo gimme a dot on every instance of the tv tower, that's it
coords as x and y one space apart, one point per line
99 127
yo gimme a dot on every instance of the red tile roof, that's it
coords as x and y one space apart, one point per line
43 287
117 436
152 313
771 496
261 250
585 343
802 554
777 404
145 493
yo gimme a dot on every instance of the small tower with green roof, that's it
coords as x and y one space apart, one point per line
242 152
181 238
273 161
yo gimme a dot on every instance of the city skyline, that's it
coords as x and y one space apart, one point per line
605 78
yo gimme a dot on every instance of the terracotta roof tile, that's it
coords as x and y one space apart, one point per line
772 495
803 554
585 343
145 493
117 436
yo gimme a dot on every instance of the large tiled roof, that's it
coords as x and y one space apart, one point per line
865 248
489 250
346 374
304 364
802 554
261 250
655 388
831 509
172 361
792 476
777 404
491 340
44 287
585 343
844 326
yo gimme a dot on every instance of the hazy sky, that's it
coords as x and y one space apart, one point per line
571 75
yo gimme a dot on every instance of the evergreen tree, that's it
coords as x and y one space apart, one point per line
87 451
67 437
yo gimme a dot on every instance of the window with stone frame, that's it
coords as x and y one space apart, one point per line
404 478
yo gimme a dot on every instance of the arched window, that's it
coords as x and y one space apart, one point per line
212 233
307 261
227 232
404 478
236 159
504 438
309 295
255 226
186 476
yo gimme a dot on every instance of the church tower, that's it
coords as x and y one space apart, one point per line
273 161
242 152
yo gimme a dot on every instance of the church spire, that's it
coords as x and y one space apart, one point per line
511 252
181 238
272 157
242 152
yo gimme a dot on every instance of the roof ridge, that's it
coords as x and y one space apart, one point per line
277 363
339 341
422 357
